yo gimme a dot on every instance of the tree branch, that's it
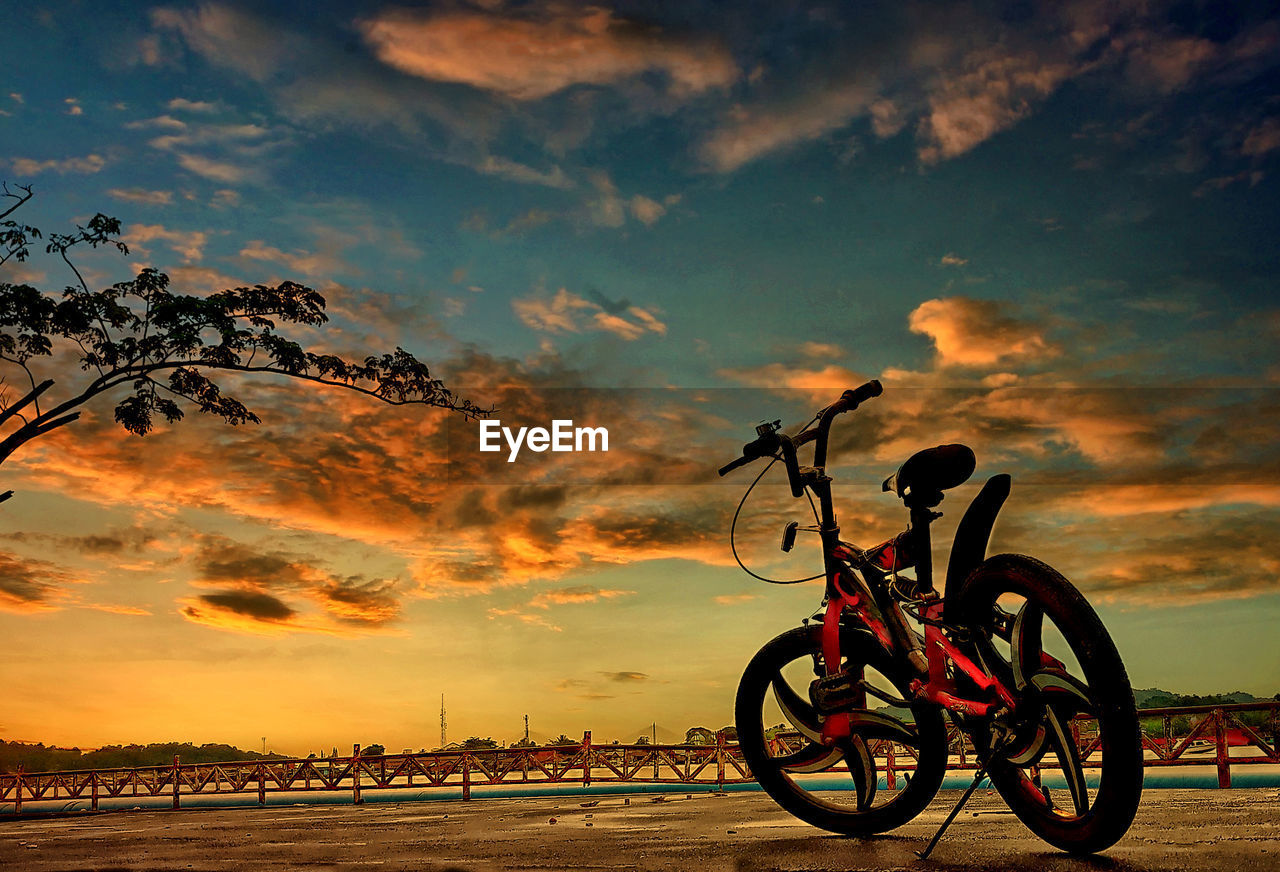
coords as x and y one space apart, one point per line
27 432
41 429
21 199
9 412
67 261
144 372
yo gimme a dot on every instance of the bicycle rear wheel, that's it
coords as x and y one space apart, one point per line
836 788
1029 627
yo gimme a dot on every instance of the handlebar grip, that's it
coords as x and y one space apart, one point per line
859 395
730 467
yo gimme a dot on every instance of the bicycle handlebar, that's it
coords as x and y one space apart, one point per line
768 444
859 395
732 465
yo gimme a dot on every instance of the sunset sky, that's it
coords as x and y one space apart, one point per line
1049 229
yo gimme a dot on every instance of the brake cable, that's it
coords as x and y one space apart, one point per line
734 525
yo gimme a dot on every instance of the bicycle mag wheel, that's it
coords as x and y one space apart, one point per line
779 732
1031 628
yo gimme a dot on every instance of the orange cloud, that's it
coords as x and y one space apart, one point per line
534 55
1183 560
134 611
566 312
142 195
749 134
388 478
409 484
969 332
188 244
574 595
1109 501
316 264
991 93
24 166
1262 139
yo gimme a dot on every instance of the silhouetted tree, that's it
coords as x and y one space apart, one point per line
562 739
42 758
475 743
699 736
161 345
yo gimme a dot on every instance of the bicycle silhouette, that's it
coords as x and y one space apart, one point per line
1010 651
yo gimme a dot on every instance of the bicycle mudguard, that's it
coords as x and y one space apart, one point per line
974 531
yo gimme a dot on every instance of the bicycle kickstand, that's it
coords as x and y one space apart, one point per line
977 779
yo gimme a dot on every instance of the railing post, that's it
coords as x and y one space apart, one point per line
93 782
17 791
719 760
586 759
466 776
890 775
1168 735
1223 758
175 781
356 799
262 784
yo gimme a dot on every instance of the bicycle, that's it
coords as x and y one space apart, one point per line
1010 651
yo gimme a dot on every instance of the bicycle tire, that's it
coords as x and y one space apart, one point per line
929 731
1053 695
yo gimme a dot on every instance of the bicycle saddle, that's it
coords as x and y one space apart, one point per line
926 474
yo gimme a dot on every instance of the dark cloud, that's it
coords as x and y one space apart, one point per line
30 585
251 604
625 676
665 528
473 510
361 601
535 497
221 562
134 540
274 586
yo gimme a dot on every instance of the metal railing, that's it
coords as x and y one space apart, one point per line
705 765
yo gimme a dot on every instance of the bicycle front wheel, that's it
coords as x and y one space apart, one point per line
837 788
1068 759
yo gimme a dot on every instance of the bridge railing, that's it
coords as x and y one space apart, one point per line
706 765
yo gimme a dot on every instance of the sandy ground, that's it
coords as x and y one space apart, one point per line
1175 830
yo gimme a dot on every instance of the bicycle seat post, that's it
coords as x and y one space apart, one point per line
921 547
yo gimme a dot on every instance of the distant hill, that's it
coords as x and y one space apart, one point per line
1154 697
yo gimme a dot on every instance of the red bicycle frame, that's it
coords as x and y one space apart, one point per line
934 659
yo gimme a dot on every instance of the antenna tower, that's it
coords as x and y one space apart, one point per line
444 729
